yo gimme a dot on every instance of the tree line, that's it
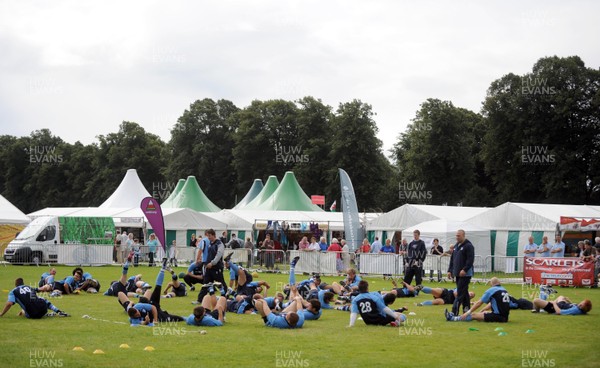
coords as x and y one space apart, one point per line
536 139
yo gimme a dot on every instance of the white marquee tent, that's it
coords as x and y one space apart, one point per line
10 214
513 223
128 194
445 232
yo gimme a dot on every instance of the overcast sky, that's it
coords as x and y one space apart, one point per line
80 68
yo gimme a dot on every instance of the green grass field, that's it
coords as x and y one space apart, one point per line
426 340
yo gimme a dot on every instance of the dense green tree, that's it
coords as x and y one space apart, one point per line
435 156
267 133
314 143
201 144
543 133
356 149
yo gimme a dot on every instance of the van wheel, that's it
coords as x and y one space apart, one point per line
36 258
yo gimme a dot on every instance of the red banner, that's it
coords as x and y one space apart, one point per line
558 271
318 199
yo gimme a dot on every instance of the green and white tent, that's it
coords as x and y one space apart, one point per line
255 190
267 190
191 196
169 201
289 196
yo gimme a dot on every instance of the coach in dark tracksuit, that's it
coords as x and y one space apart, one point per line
416 253
461 267
214 262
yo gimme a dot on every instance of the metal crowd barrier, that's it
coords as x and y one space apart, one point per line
378 263
84 255
509 269
271 259
329 263
241 256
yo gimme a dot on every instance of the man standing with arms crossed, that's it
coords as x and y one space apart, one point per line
415 256
461 267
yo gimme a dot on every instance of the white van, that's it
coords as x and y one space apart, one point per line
38 242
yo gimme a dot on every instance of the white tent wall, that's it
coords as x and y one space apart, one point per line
504 241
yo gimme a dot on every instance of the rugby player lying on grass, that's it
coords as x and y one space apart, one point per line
562 306
499 299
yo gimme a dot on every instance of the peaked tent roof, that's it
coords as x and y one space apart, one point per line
267 190
255 189
169 201
289 196
411 214
191 196
10 214
129 193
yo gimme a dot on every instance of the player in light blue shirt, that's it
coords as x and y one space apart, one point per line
530 248
349 285
47 278
291 317
203 246
372 308
210 314
562 306
558 249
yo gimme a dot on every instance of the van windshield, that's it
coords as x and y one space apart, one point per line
33 228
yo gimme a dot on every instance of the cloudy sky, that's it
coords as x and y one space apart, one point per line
80 68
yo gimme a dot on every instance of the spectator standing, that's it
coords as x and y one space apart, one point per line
437 251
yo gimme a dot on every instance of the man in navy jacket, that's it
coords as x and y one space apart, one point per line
461 267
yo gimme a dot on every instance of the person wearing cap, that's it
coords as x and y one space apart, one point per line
499 299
